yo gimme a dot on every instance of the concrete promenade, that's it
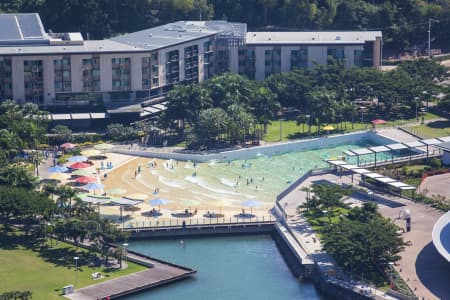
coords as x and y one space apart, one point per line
421 267
309 241
159 274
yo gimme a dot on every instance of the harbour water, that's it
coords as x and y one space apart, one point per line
237 267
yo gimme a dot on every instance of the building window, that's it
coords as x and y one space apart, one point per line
91 74
63 81
121 73
33 81
299 58
336 53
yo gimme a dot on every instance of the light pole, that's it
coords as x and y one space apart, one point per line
429 34
391 266
425 94
362 108
281 129
51 232
125 245
416 99
76 258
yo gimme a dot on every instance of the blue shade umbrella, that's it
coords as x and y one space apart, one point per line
250 203
93 186
158 201
57 169
77 158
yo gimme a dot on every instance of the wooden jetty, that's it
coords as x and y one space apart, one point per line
159 273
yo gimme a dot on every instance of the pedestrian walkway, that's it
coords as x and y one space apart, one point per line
160 273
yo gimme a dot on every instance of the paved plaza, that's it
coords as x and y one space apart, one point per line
424 270
436 185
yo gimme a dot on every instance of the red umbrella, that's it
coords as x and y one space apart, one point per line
80 165
68 146
86 179
378 122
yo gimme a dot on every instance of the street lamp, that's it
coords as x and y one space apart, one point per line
391 267
429 34
416 100
362 108
125 245
76 258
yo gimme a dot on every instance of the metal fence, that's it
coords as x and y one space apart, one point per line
194 222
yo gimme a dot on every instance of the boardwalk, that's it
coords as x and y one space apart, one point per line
161 273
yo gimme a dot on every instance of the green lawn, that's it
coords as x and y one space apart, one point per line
24 266
290 129
433 129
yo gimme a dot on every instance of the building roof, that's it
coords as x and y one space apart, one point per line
21 28
312 37
444 146
173 33
100 46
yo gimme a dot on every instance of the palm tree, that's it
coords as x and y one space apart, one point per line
17 176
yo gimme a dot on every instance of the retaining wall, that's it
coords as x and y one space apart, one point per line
270 150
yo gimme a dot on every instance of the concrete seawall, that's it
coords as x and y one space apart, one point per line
252 152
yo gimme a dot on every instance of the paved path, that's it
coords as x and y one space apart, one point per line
421 266
436 185
158 275
309 241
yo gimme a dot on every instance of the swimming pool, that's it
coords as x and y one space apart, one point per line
222 185
235 267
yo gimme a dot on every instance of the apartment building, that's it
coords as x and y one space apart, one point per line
62 69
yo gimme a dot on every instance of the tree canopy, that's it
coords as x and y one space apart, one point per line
404 22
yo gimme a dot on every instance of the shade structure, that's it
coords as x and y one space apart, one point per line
68 146
58 169
158 201
93 199
83 172
328 127
90 152
116 191
250 203
378 122
104 146
86 179
137 196
77 158
80 165
59 176
93 186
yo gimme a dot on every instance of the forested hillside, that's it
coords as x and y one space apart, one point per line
404 22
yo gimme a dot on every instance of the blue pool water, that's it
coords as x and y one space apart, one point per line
445 237
237 268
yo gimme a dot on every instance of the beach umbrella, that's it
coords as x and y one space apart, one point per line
378 122
77 158
93 186
137 196
58 169
328 127
86 179
90 152
159 202
59 176
104 147
116 191
250 203
68 146
83 172
80 165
